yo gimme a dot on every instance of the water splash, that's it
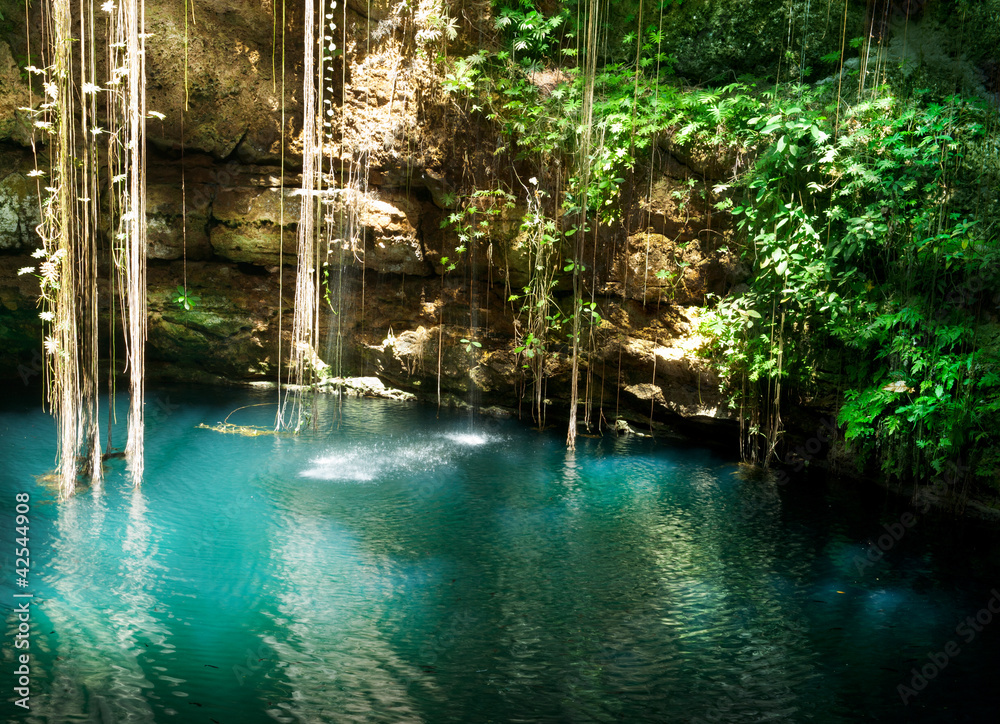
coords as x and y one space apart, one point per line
470 438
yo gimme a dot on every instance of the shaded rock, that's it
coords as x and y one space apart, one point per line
18 213
439 187
229 332
177 225
20 327
13 95
719 163
251 205
166 240
254 244
166 199
655 268
377 10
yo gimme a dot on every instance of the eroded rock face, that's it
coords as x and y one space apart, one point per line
257 244
679 382
222 217
20 327
13 89
176 226
247 205
655 269
389 222
230 85
229 333
19 213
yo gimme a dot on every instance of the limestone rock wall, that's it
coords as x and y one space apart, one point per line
222 213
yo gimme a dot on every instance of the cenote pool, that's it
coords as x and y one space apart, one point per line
400 566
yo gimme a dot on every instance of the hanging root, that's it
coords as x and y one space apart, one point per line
245 430
229 428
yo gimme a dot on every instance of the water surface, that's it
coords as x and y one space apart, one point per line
395 565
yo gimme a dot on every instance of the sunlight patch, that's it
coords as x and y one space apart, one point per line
469 438
343 466
372 463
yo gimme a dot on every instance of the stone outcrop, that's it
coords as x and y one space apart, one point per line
655 269
19 212
222 215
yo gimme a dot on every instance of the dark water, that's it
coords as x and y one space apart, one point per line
400 567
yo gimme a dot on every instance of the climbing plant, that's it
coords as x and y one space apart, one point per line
850 193
858 238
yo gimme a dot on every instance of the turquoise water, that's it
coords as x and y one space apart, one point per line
400 566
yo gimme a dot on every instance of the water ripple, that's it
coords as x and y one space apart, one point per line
391 566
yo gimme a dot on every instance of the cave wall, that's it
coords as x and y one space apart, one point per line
222 213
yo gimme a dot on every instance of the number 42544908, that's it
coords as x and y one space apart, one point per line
22 523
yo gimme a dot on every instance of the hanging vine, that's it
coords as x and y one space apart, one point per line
319 227
127 160
69 126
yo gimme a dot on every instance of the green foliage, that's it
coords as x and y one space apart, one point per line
461 78
473 218
859 243
533 37
185 298
713 40
869 226
470 344
651 53
435 25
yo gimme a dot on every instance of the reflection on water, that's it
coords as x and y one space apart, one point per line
377 460
99 606
391 566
